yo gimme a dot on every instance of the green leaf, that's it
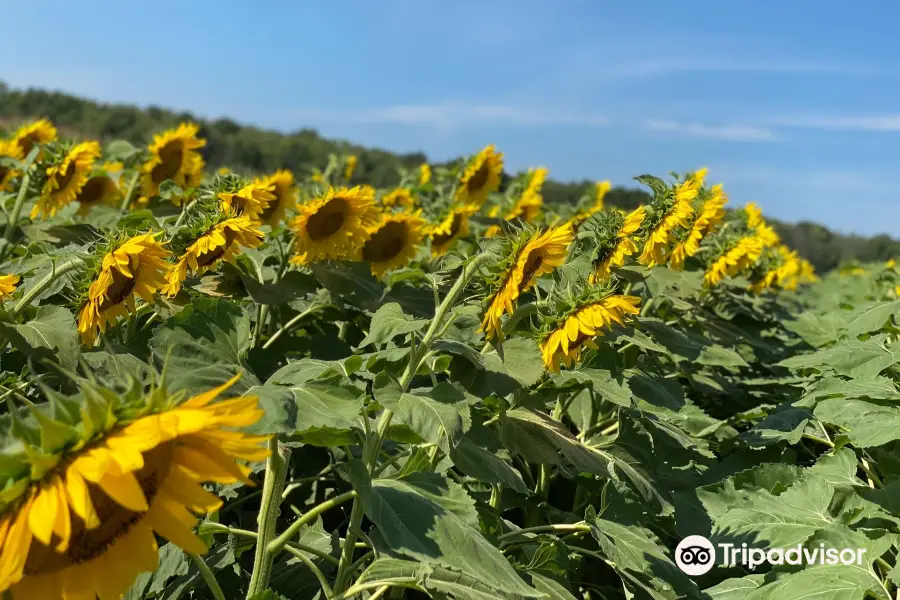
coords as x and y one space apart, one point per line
279 407
485 466
439 416
785 423
602 382
390 321
867 424
50 335
293 285
521 366
872 317
822 582
641 562
414 525
817 329
853 359
331 403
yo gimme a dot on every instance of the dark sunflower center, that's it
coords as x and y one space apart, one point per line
171 155
28 142
3 173
532 264
93 190
207 258
65 178
120 288
115 520
270 209
455 226
386 243
328 220
479 177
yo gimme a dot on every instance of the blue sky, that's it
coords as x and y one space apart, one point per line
790 104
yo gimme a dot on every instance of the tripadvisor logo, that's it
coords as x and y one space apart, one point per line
695 555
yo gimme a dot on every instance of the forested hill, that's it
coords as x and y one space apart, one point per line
242 147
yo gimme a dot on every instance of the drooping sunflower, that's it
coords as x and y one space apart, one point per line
251 201
174 155
735 260
41 131
402 198
100 189
424 173
134 269
706 218
677 214
84 523
394 242
334 226
8 149
578 329
66 179
527 206
223 241
451 228
613 254
282 185
543 253
481 177
8 284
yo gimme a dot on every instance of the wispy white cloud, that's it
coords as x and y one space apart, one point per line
877 123
732 133
453 115
655 66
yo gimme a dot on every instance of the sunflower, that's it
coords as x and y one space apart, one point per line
451 228
528 205
654 252
134 268
401 197
173 155
85 523
222 241
8 149
282 185
8 285
350 166
579 328
334 226
66 179
100 189
481 177
424 174
29 134
614 254
710 215
542 254
394 242
735 260
251 200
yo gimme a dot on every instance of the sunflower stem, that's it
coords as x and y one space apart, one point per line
208 576
129 193
20 201
44 283
373 447
273 485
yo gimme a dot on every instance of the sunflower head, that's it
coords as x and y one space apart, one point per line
70 170
91 480
282 185
8 285
481 176
399 198
130 268
350 163
446 230
393 242
334 226
31 134
424 174
9 153
249 199
175 156
525 258
202 251
101 189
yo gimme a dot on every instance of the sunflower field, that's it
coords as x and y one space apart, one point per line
293 385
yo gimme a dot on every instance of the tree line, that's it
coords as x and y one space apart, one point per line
252 149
